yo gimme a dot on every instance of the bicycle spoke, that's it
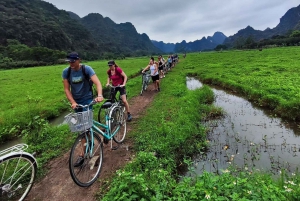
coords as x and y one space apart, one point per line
18 174
85 174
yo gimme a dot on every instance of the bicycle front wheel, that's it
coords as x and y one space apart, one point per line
17 174
84 164
118 122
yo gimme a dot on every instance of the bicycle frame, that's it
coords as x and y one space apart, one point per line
107 133
146 78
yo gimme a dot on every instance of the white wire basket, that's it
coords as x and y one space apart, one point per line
79 121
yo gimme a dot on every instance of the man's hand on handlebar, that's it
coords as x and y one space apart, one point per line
98 99
74 105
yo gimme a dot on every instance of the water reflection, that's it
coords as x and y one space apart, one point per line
247 137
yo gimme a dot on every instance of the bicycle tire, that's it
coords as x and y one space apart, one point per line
87 173
101 115
23 168
118 121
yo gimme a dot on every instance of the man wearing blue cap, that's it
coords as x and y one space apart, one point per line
78 80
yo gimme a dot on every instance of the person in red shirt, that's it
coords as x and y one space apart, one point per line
118 78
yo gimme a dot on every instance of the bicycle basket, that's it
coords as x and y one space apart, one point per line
79 121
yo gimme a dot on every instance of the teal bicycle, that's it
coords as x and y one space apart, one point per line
86 155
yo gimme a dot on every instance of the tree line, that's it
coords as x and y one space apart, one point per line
292 38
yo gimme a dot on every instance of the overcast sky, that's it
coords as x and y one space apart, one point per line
177 20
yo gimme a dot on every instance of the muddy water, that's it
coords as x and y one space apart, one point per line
59 120
247 138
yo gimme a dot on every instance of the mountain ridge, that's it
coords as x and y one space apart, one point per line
198 45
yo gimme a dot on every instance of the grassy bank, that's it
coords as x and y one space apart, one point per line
269 78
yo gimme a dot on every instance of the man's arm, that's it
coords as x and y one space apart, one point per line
69 94
97 82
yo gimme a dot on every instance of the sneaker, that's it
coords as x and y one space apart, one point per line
79 161
129 118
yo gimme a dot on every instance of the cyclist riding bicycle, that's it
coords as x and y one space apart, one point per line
118 78
77 81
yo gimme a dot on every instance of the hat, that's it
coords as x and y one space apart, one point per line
111 62
72 57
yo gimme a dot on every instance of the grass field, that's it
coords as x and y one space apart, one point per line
171 127
38 91
270 78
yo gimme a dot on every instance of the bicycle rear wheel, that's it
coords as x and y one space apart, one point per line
118 121
17 174
87 172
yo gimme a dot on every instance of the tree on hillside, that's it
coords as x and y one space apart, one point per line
220 47
295 34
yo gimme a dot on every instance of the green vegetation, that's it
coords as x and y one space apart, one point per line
38 91
269 78
43 34
16 55
289 39
165 142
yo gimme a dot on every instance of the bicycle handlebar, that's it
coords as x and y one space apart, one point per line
111 86
85 106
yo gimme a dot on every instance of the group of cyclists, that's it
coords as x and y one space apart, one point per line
78 78
159 68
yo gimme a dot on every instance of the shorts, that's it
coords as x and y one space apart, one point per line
155 77
161 68
113 92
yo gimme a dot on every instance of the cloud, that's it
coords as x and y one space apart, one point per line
177 20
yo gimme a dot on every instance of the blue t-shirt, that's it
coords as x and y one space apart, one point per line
80 87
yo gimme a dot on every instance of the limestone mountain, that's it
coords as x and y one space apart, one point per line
118 38
165 47
36 23
198 45
288 22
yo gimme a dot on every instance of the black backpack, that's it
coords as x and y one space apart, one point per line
86 76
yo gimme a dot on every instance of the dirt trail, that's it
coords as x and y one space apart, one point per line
58 185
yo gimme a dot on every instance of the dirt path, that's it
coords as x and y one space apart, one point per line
58 185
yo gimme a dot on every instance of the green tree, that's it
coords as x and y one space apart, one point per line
295 34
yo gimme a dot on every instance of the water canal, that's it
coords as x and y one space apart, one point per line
247 137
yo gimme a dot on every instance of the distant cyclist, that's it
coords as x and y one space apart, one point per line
170 61
161 64
154 73
118 78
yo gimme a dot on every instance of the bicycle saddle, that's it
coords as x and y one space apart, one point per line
106 105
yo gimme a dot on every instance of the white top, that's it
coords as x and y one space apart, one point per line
152 69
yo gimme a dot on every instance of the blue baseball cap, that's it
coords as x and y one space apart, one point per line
72 57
